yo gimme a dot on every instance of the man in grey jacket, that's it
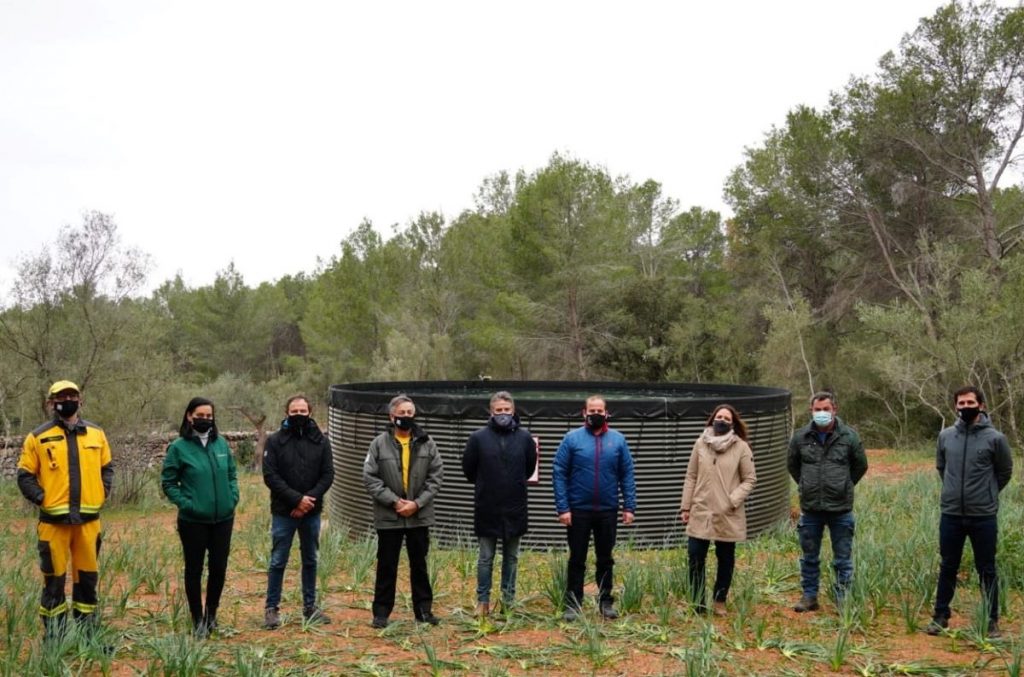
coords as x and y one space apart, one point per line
975 463
403 473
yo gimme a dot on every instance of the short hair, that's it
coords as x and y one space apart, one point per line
298 396
595 396
397 400
502 395
969 390
824 395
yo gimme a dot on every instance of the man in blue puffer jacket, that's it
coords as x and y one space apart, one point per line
592 466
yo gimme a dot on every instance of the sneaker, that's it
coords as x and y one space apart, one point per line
379 622
993 630
806 603
271 618
937 626
313 614
608 611
428 618
571 614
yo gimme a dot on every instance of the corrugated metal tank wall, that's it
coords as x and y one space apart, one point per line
660 422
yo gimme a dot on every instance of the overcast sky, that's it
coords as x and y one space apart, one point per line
263 133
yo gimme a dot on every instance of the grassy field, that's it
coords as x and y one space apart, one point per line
879 633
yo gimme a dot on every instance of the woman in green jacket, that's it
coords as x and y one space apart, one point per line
199 476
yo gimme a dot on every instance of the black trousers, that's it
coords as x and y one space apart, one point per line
196 541
725 552
603 525
389 548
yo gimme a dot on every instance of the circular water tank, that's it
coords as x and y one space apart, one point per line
661 422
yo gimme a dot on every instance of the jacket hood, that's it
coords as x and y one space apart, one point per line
312 430
982 421
511 428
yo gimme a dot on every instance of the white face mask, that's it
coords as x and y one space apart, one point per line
822 419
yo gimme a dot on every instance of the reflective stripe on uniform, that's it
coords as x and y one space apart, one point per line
61 608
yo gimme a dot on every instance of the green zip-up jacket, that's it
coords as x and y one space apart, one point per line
201 481
825 473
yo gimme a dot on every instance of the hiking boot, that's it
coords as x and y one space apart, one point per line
483 609
993 630
379 622
718 609
608 611
271 618
571 614
937 626
313 614
806 603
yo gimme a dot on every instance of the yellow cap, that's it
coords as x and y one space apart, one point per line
61 386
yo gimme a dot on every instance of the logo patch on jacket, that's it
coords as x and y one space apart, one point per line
51 438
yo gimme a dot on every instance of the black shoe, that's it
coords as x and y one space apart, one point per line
271 618
571 614
937 626
993 630
806 603
608 611
210 620
428 618
379 622
313 614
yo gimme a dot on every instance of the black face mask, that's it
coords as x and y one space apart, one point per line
596 421
404 422
298 422
968 414
202 425
66 409
721 427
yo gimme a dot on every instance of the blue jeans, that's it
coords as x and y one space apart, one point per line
953 533
811 528
509 568
282 532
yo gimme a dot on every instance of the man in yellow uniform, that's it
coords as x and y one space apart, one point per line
65 469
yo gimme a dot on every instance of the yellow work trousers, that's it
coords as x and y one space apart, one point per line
58 545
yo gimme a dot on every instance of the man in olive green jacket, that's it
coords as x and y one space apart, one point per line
403 473
826 459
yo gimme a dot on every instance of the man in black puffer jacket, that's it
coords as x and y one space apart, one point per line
298 468
499 458
975 463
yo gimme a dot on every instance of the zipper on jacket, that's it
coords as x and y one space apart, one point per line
963 472
213 470
597 475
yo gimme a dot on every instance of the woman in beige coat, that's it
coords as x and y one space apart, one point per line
719 477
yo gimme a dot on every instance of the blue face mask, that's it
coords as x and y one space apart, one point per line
822 419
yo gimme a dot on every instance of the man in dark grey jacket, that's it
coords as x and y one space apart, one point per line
975 463
403 473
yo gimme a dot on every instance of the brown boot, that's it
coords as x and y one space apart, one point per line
483 609
718 609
